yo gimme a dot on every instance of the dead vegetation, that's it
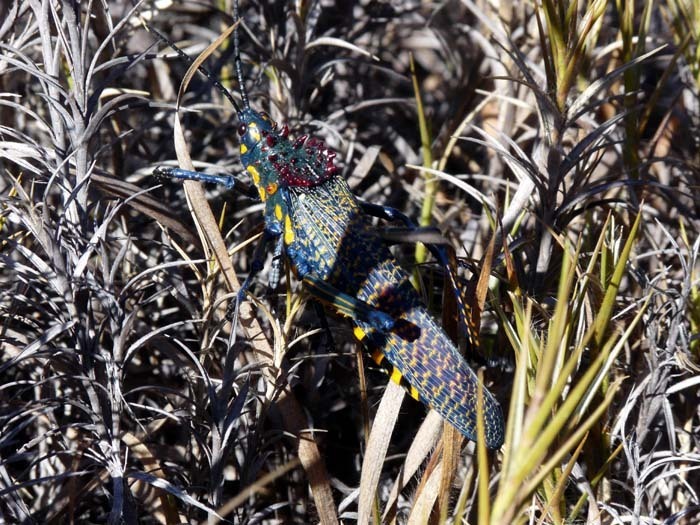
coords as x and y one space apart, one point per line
556 146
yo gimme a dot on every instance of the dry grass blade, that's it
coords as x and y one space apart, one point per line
166 512
451 449
421 446
377 446
481 456
147 205
164 485
256 487
581 102
428 495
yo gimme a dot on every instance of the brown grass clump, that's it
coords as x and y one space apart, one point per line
554 144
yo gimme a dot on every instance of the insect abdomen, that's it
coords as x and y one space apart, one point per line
328 220
426 357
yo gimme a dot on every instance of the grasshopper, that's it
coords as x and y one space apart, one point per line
328 238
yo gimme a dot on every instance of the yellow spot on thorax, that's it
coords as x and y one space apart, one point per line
254 173
244 149
359 333
278 212
288 230
396 376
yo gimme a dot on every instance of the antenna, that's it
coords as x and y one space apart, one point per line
237 58
205 71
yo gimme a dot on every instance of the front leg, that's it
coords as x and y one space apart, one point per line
230 182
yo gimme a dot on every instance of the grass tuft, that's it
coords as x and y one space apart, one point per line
565 138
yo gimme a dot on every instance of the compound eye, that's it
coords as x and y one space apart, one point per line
242 129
